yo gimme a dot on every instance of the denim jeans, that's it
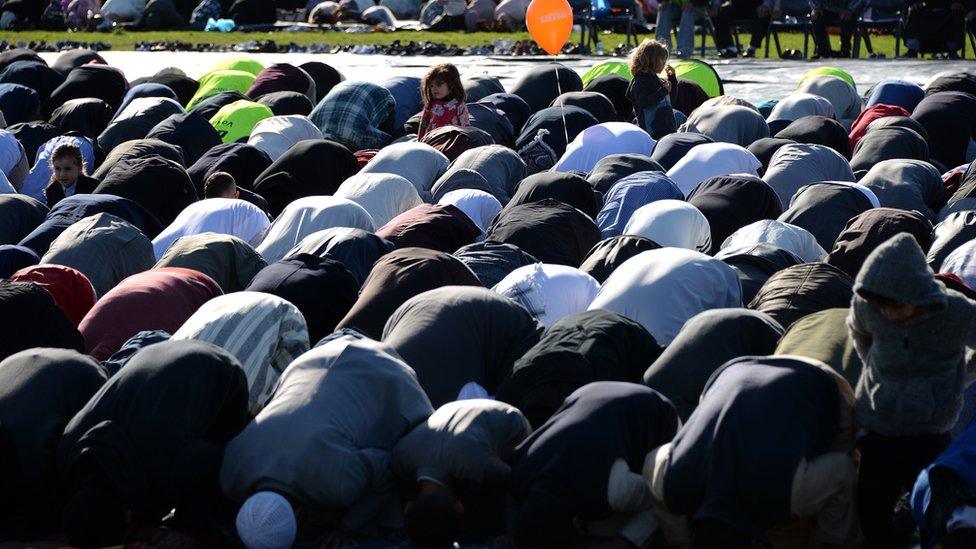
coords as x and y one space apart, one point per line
686 27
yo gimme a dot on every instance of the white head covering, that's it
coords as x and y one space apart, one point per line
962 263
549 292
789 237
266 521
798 164
661 289
277 134
479 206
215 215
711 160
307 215
10 152
596 142
418 163
798 104
671 223
383 195
263 331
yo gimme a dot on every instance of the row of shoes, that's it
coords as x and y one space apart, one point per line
60 45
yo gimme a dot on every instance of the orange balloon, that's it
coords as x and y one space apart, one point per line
550 22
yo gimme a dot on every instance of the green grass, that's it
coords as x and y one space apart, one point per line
126 40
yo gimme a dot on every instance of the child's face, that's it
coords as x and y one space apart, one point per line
897 312
439 90
66 171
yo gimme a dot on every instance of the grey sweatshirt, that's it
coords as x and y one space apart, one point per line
462 445
914 372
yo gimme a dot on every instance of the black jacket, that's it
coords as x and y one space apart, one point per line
55 192
647 92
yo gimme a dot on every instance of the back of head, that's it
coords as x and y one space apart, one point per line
649 58
220 185
95 517
433 520
266 521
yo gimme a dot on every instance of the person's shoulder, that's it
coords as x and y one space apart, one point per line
959 304
86 184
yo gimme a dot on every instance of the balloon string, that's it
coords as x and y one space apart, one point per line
562 104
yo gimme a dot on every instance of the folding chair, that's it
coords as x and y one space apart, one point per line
801 24
621 12
888 22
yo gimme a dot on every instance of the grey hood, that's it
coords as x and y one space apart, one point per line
897 270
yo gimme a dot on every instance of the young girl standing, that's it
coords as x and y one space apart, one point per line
443 97
68 176
648 92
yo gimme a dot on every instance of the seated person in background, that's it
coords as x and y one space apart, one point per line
220 185
650 94
68 176
670 10
936 26
455 463
759 12
844 13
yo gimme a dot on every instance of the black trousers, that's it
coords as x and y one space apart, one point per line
820 32
889 467
738 10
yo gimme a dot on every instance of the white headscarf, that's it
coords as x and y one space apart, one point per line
263 331
798 164
11 152
307 215
418 163
215 215
711 160
596 142
789 237
798 104
661 289
277 134
671 223
479 206
962 263
549 292
383 195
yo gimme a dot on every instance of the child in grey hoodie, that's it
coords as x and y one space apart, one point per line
911 334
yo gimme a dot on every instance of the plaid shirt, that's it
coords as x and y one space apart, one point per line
205 10
351 115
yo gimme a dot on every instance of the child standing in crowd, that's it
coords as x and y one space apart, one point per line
443 97
911 334
68 176
220 185
648 92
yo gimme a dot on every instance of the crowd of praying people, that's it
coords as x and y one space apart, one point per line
620 309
